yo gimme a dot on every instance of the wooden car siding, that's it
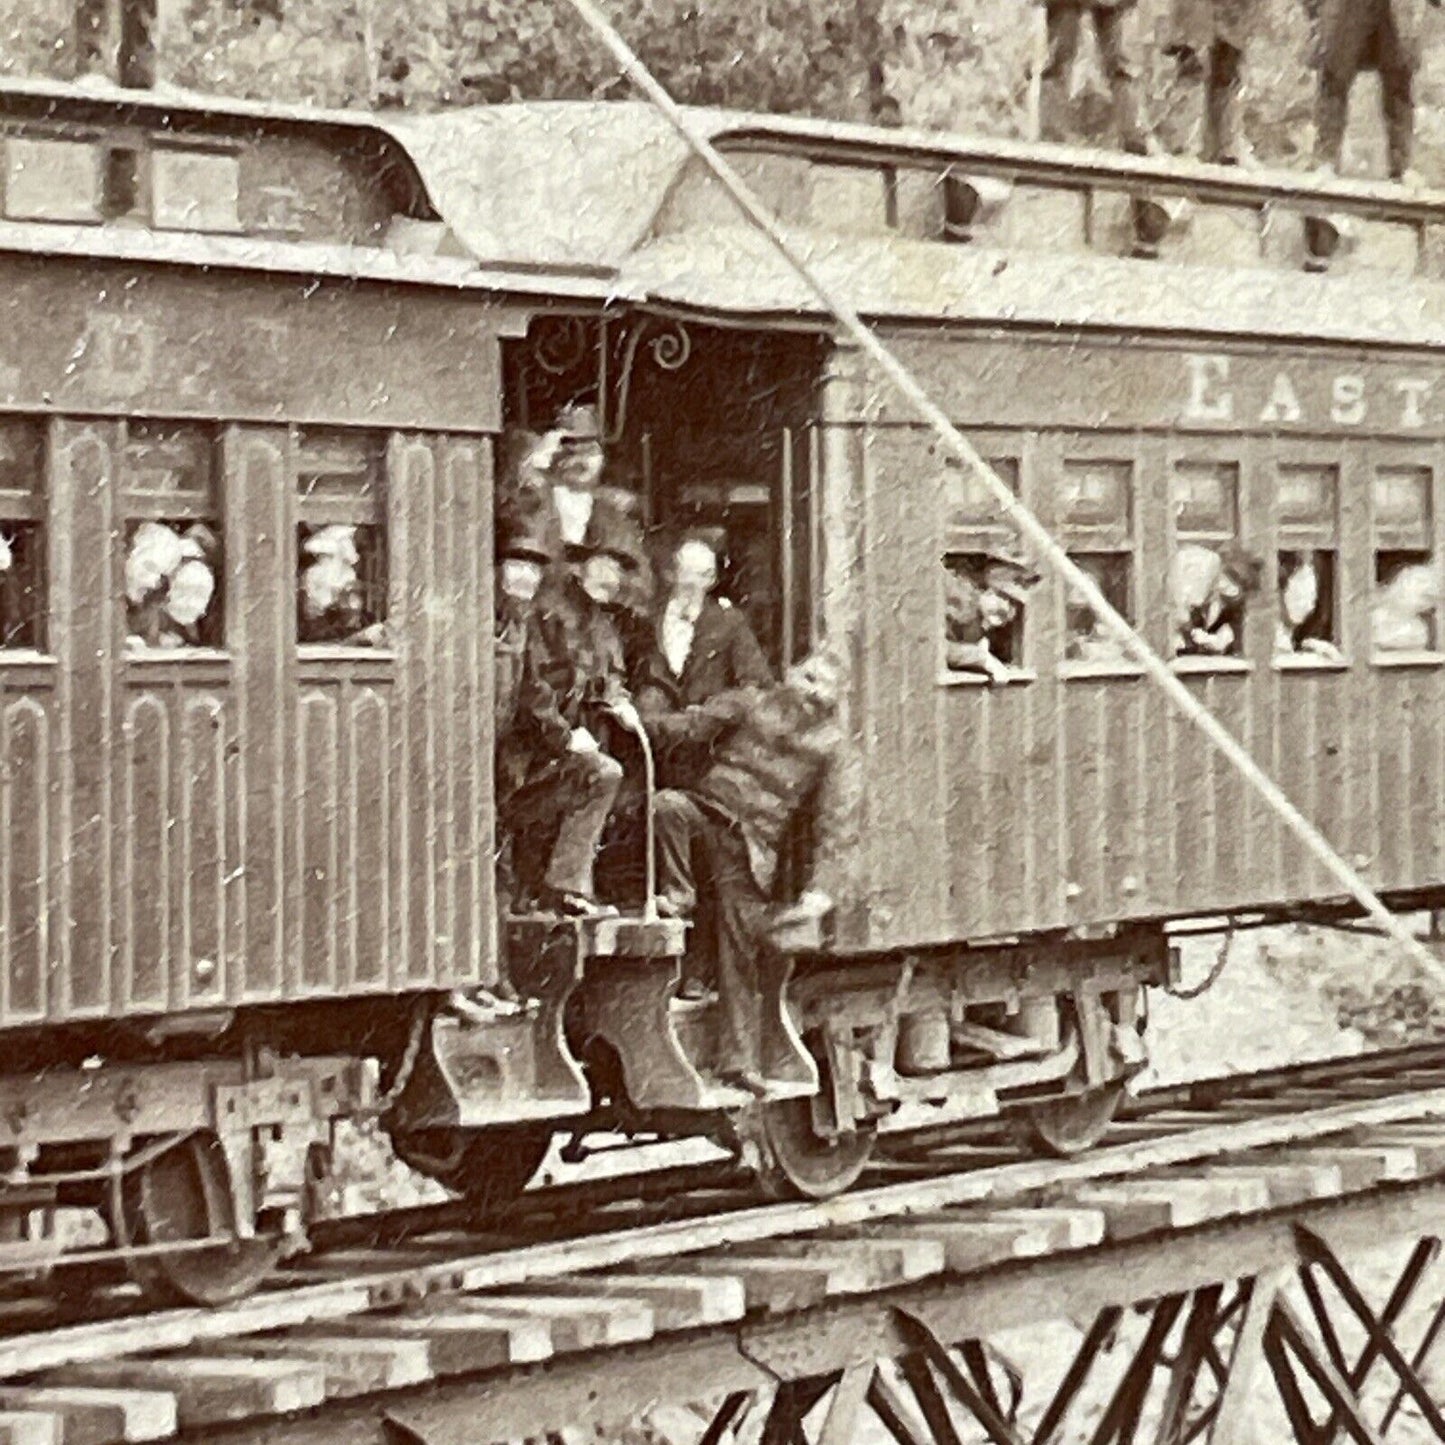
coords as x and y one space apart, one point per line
1068 800
261 823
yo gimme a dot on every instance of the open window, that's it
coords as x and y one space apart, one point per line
985 582
1211 578
341 585
174 576
1094 509
1308 563
22 536
1405 611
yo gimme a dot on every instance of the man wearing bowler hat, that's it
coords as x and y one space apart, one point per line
982 604
524 552
572 685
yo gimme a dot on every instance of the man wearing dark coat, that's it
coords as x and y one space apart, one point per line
1065 19
523 556
1356 35
573 681
769 769
1209 38
696 646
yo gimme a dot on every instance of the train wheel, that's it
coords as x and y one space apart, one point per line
175 1198
489 1168
1074 1124
795 1161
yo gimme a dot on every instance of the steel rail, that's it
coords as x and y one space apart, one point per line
1022 517
377 1289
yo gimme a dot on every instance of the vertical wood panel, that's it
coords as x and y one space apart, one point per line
1154 540
1128 785
1302 701
25 815
145 873
1241 845
1350 798
1424 782
474 954
370 803
1228 863
1041 824
260 528
1430 797
452 541
400 616
413 474
903 562
1395 703
201 828
840 459
318 845
85 577
1088 741
1007 710
1044 639
349 790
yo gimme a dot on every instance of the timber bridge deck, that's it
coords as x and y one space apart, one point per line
1203 1202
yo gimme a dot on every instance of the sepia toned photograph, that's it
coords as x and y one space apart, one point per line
722 722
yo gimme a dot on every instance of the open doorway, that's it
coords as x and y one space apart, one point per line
727 444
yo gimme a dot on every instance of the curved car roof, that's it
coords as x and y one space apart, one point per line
542 190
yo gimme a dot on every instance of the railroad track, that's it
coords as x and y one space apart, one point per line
691 1250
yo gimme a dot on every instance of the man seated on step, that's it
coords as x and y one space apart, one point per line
572 684
770 770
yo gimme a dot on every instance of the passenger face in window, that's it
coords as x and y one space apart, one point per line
520 578
1300 594
330 583
818 680
601 577
1209 589
1416 589
190 592
996 610
578 465
155 553
1404 607
579 459
1005 592
694 571
330 586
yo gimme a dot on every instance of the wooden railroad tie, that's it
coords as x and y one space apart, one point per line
429 1339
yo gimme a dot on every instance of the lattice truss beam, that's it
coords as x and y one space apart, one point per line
1299 1354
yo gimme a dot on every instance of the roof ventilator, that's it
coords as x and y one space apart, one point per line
1328 239
1157 219
971 202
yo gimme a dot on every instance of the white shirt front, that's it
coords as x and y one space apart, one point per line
679 621
574 512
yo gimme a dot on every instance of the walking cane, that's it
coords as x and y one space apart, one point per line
649 786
